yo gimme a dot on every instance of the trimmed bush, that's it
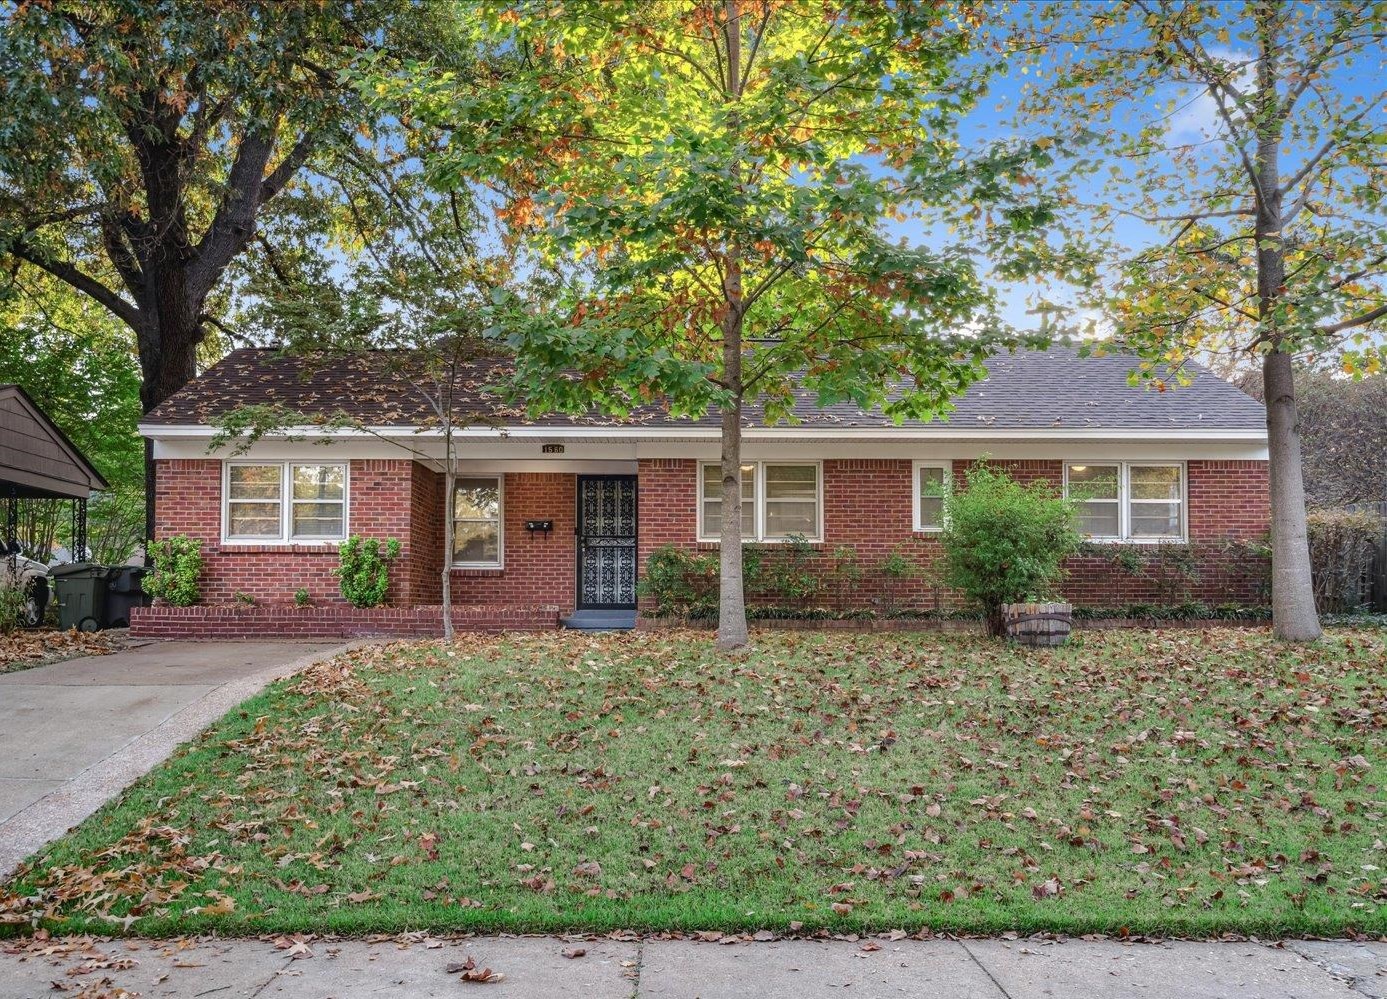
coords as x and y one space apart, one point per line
1342 545
364 569
1004 542
177 568
682 583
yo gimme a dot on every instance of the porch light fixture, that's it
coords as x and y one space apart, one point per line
534 526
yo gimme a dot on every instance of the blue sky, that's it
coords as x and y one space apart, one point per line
1194 120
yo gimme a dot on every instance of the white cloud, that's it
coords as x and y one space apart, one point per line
1198 117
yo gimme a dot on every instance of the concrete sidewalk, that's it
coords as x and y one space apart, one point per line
541 967
74 734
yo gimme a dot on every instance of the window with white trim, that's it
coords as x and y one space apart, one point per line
477 525
931 486
1097 490
279 501
1128 500
779 499
1155 501
711 501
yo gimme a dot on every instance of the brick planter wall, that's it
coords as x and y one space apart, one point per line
334 621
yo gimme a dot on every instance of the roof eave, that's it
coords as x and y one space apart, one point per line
787 433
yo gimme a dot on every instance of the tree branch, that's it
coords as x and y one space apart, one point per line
1305 73
1360 320
282 174
1330 143
247 188
83 282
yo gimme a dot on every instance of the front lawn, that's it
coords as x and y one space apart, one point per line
1146 782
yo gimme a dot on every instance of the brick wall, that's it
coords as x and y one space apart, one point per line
868 505
539 568
426 508
188 501
335 621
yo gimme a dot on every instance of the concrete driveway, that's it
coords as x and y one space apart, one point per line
73 734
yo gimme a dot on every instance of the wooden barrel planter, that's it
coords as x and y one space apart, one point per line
1038 624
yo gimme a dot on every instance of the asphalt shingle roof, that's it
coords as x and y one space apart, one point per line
1029 390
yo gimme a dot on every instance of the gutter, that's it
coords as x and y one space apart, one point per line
778 434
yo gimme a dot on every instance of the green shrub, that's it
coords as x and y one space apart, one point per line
13 602
791 569
896 570
1004 542
301 597
177 567
1171 567
1342 543
682 583
244 599
364 569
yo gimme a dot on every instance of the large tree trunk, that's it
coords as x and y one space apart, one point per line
1292 594
732 632
449 482
168 361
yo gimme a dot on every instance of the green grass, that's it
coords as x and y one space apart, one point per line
1183 783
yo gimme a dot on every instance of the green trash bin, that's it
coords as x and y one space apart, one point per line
81 592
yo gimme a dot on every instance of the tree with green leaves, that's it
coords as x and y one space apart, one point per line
143 142
73 358
1243 145
720 175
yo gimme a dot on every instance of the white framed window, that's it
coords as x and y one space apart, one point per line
1155 502
1128 500
317 501
932 482
1097 488
710 502
284 501
478 522
779 499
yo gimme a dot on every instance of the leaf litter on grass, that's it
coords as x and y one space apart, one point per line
1195 782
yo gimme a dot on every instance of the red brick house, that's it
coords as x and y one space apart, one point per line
562 512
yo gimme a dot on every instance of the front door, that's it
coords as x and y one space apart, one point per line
606 542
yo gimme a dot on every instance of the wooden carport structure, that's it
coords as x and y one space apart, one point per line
37 461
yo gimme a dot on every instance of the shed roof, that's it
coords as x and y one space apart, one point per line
36 458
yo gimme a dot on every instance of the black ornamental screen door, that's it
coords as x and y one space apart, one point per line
606 542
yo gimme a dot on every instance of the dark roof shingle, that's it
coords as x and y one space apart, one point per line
1029 390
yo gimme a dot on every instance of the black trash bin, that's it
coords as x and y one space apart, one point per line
125 590
81 592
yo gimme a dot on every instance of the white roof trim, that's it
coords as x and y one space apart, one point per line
789 433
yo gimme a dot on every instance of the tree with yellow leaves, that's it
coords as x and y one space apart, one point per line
1244 145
